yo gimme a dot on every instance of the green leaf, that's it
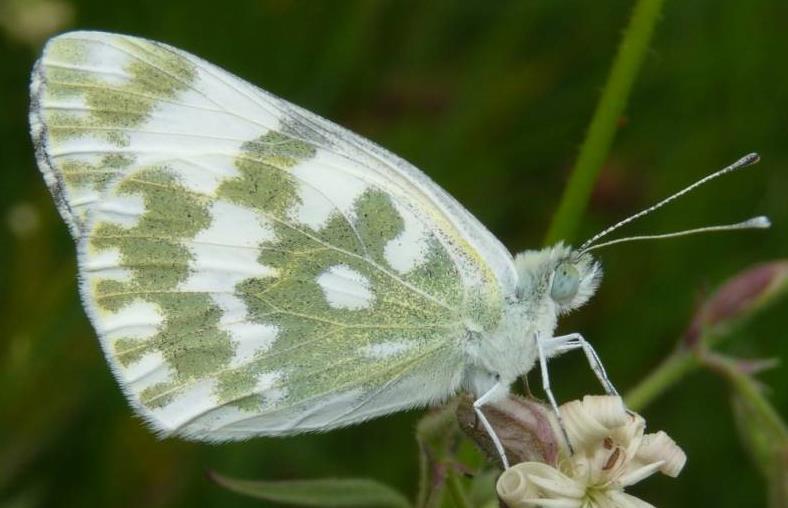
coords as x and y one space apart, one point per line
344 492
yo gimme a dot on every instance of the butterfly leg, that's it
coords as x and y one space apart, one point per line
558 345
540 344
477 407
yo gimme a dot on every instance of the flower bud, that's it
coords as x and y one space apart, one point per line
525 427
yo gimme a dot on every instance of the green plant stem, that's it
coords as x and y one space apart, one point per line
748 389
601 131
670 371
457 491
684 361
434 434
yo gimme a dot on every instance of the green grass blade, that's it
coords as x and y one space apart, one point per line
602 129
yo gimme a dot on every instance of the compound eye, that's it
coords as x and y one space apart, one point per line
566 280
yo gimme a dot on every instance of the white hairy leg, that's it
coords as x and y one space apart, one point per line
555 346
477 405
540 345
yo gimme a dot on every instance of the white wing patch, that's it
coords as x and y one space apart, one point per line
345 288
326 187
235 226
326 174
250 339
108 264
195 400
387 349
408 249
315 210
138 320
226 252
150 370
270 383
121 210
196 126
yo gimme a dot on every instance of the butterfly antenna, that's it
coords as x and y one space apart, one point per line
754 223
745 161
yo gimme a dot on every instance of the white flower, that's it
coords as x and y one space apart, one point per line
611 452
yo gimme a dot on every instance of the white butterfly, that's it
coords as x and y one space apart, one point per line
253 269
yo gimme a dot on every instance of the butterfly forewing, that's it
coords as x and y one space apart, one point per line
250 267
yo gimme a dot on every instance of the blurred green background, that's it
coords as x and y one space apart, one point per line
491 99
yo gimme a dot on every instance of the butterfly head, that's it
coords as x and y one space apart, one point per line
565 276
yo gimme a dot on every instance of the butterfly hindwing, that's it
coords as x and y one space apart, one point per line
250 267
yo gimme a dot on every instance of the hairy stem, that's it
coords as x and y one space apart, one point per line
668 373
748 389
601 131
